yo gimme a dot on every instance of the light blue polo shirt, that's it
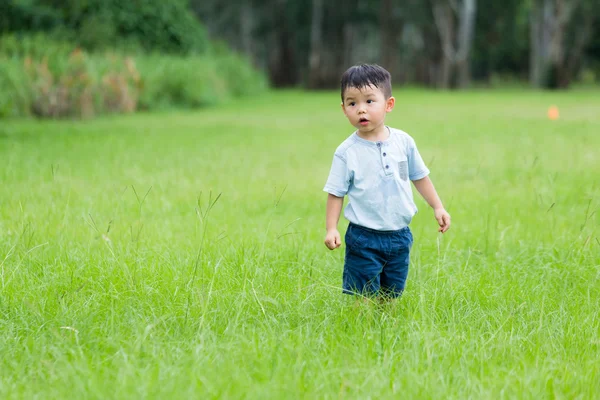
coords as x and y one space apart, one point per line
377 177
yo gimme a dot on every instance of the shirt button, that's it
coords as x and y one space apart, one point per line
378 144
387 166
384 154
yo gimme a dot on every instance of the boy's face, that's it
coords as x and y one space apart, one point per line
366 108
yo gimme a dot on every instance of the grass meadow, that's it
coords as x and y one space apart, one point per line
180 255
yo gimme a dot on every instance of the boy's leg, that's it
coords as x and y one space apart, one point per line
363 262
395 271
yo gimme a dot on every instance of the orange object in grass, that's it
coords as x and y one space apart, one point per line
553 113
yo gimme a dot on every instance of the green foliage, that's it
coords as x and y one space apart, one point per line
28 15
99 24
155 24
277 33
36 45
180 82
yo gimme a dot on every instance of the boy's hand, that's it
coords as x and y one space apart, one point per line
443 219
333 239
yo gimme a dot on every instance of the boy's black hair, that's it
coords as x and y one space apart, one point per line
363 75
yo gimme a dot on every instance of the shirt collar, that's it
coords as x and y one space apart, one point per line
374 144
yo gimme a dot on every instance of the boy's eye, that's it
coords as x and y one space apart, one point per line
352 104
369 101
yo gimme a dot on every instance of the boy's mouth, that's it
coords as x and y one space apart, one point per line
363 121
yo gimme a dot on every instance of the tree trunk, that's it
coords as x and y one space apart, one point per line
535 26
387 33
455 62
549 21
575 53
316 33
349 36
444 21
282 63
549 25
465 42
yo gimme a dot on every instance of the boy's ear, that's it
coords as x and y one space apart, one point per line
389 104
343 108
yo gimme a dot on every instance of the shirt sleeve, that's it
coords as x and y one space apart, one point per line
416 166
339 179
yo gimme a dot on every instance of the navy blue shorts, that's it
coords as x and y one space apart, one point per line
376 262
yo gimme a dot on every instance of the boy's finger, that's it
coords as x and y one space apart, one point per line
445 228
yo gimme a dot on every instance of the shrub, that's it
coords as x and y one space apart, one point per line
76 85
180 82
15 95
241 78
44 78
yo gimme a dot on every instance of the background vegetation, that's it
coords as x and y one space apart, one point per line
79 59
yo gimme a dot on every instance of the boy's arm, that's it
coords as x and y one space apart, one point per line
427 190
334 209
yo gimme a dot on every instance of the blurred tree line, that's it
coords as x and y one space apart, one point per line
168 26
439 43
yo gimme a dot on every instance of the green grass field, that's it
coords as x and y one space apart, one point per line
120 280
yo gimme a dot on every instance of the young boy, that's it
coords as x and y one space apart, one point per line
373 168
